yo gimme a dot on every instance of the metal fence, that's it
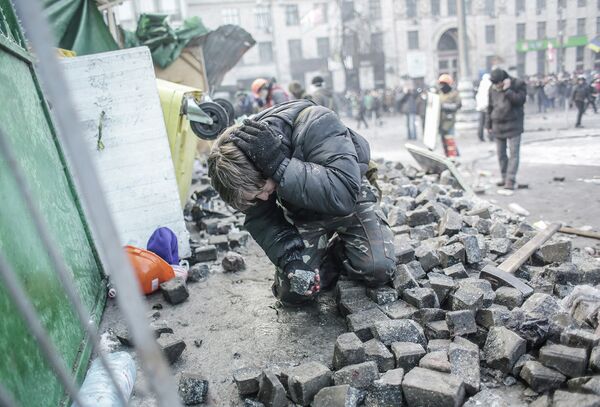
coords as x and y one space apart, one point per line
112 255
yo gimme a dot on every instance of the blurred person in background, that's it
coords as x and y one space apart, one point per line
580 97
322 95
449 104
408 105
296 90
268 93
505 121
481 104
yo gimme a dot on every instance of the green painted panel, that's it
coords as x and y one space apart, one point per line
24 119
540 45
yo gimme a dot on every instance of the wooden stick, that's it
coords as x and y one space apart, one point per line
579 232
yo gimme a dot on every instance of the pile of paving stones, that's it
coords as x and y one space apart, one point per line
439 335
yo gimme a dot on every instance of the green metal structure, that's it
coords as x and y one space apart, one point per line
26 119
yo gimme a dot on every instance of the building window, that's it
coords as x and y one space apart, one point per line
295 47
519 6
323 49
579 58
468 7
520 31
521 59
413 39
541 30
561 25
581 3
541 62
540 5
377 42
230 16
321 13
435 8
581 26
598 29
490 7
347 10
375 9
265 52
262 15
561 4
291 15
451 7
411 8
490 34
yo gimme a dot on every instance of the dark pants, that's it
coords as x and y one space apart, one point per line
580 110
411 126
509 162
362 247
480 129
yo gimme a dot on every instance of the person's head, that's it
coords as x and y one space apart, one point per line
445 82
317 81
233 176
260 88
581 79
296 89
497 77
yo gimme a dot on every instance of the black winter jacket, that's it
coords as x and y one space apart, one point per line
505 109
320 178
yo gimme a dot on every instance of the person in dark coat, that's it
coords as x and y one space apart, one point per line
322 95
408 105
505 121
580 96
299 175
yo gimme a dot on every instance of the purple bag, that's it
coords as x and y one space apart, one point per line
163 242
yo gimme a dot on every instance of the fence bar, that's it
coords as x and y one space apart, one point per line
6 399
56 259
112 255
26 309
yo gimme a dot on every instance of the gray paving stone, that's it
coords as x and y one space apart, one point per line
464 363
572 362
348 350
541 378
338 396
387 390
399 330
380 354
359 376
503 348
398 310
437 361
407 354
361 322
423 387
461 322
306 380
247 380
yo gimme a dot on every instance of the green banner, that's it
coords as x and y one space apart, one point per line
540 45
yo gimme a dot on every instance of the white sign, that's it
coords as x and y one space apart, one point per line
367 81
432 121
134 165
415 63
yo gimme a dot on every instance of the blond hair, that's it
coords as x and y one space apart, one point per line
231 172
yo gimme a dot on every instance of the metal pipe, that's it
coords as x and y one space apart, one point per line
19 297
56 259
6 399
95 206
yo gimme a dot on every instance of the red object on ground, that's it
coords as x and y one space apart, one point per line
149 268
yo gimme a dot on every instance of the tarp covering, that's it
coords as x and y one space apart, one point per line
165 42
230 38
79 26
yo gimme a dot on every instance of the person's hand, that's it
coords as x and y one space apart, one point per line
261 145
506 83
303 279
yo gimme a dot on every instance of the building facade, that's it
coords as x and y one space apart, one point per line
385 43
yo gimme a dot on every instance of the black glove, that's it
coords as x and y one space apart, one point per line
261 145
302 277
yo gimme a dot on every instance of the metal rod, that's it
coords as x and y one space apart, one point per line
56 259
6 399
26 309
95 206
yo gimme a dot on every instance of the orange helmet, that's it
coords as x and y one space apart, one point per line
150 269
445 78
258 84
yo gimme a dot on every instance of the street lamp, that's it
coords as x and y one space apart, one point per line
467 117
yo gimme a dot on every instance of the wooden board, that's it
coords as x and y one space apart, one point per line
432 121
135 166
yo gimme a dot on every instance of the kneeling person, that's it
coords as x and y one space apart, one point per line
298 174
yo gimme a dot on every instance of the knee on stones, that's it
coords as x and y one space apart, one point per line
377 271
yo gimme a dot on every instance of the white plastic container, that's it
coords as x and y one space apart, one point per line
97 389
